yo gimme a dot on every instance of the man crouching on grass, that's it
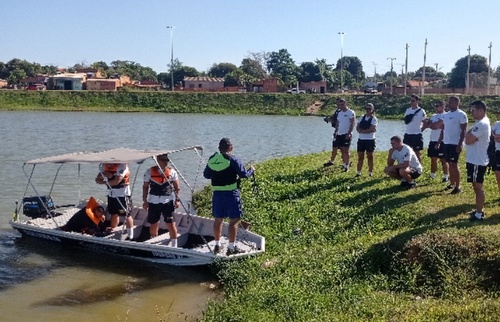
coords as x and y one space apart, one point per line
408 167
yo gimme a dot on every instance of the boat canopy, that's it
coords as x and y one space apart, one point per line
118 155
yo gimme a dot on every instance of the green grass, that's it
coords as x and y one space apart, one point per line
341 248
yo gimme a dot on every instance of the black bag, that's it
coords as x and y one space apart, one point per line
409 117
365 123
491 154
33 206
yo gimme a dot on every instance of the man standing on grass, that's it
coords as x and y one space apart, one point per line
452 136
435 152
476 145
408 167
342 136
414 116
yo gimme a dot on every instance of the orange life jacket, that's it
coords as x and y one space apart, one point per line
110 170
160 184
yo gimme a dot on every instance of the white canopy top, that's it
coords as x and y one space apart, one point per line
118 155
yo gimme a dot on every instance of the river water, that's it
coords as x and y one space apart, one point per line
44 282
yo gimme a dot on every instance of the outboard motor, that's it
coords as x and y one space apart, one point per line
38 206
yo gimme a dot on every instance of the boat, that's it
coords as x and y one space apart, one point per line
39 216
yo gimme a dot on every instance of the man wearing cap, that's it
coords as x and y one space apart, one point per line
225 171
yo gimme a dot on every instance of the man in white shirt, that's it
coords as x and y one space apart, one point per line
435 152
408 167
343 132
414 117
366 127
476 145
452 136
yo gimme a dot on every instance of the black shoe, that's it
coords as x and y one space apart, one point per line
448 187
455 191
234 251
216 249
473 216
445 180
404 184
411 185
328 164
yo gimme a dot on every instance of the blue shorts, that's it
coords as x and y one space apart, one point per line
227 204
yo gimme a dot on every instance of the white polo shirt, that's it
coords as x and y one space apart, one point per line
477 152
415 126
452 121
407 154
344 119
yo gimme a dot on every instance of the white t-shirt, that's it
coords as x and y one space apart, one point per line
407 154
344 119
371 135
436 133
415 126
494 131
161 199
121 171
477 152
452 121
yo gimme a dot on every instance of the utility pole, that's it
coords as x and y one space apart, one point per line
374 71
171 57
406 69
489 72
423 71
392 65
467 80
341 61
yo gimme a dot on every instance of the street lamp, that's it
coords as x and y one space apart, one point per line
171 56
341 63
392 65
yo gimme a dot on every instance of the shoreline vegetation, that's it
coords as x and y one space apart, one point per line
341 248
386 106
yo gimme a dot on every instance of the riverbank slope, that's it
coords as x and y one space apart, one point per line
341 248
386 106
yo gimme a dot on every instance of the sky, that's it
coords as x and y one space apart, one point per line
68 32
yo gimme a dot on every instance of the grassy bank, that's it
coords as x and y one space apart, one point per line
215 103
341 248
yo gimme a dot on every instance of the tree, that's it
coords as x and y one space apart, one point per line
429 71
253 68
353 65
133 70
221 69
234 78
281 65
310 72
478 64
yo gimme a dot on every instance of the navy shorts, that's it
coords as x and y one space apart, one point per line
227 204
450 153
496 166
366 145
475 173
414 174
415 141
155 210
114 207
341 141
432 152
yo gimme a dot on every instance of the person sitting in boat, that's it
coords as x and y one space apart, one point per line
88 220
160 195
116 176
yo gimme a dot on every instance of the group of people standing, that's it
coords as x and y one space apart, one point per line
449 133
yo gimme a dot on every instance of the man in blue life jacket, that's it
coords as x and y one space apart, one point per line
225 171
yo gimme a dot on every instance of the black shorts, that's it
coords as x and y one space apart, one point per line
155 210
114 207
496 166
414 174
415 141
432 152
450 153
341 141
366 145
475 173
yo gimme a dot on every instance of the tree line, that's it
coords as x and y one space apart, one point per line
348 70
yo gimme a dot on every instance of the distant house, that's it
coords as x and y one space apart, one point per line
210 84
91 72
67 82
416 83
147 84
103 84
269 85
38 80
313 87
